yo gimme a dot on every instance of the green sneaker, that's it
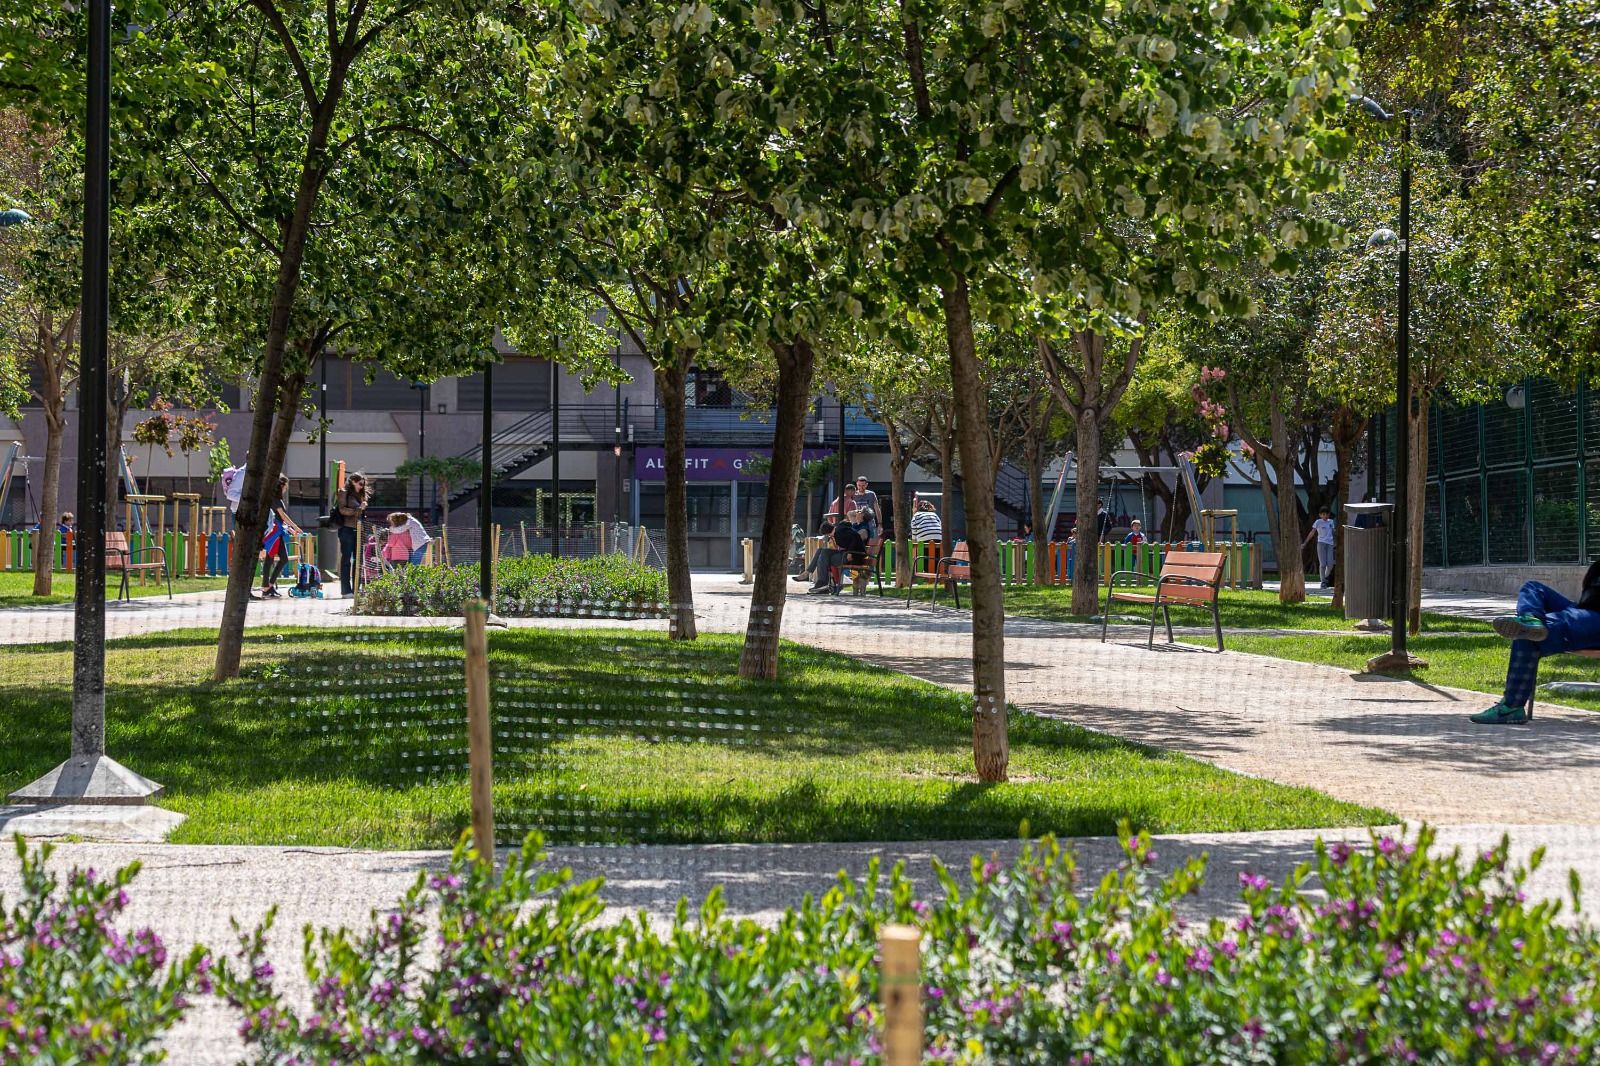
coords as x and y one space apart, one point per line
1520 627
1500 714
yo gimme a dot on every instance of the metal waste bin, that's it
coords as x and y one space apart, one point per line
1368 564
328 554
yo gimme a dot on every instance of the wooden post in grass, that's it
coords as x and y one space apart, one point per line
480 752
900 993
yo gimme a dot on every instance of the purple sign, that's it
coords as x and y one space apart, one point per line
710 464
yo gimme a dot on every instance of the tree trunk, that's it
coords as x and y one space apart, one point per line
759 660
53 398
49 498
899 460
1346 433
1041 536
990 743
1417 511
670 384
1086 556
1291 557
1291 561
251 518
116 416
947 486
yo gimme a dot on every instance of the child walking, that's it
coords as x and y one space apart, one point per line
1322 530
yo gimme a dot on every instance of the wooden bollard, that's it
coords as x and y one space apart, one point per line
480 737
900 994
749 561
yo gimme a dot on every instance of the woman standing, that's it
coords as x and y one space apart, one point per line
280 527
352 505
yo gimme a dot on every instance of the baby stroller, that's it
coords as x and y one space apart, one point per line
308 582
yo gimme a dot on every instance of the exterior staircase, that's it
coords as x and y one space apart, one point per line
515 449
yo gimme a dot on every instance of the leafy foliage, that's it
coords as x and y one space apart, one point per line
73 988
1403 955
530 586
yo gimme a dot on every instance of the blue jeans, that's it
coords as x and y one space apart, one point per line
1568 627
347 560
417 554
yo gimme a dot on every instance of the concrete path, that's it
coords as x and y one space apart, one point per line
1402 745
189 893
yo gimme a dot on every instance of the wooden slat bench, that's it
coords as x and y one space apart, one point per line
119 557
1187 579
949 570
859 571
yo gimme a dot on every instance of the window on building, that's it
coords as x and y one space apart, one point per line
707 388
520 384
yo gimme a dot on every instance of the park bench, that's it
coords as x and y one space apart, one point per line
949 570
869 565
121 558
1187 579
1585 653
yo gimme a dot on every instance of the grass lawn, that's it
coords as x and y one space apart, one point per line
1472 662
357 739
16 587
1241 609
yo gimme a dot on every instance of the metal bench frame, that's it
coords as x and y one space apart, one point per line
125 561
1200 570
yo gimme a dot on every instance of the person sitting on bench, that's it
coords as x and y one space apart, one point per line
846 545
1546 623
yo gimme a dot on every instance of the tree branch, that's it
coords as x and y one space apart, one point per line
919 74
1000 188
1053 371
269 11
398 127
227 205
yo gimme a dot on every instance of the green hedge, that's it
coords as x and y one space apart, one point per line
530 586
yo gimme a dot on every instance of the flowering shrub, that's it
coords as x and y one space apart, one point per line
1404 957
533 585
521 971
73 988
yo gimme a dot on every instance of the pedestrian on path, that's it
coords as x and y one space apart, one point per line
1322 530
1546 623
352 505
280 527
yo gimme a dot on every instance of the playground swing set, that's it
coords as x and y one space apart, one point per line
178 535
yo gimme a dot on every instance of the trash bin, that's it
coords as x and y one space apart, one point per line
1368 565
328 554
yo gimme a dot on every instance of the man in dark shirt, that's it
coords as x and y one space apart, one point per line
846 545
1546 623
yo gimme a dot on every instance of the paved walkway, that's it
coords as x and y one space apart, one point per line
1402 745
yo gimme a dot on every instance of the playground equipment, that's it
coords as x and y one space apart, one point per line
144 536
190 545
1117 477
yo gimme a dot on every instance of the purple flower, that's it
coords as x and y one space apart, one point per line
1200 960
1252 882
1388 845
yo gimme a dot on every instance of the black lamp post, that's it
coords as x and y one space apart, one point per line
422 443
89 776
1405 404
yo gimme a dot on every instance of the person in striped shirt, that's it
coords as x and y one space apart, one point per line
925 522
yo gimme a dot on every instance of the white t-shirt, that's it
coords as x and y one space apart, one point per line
1324 528
419 536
